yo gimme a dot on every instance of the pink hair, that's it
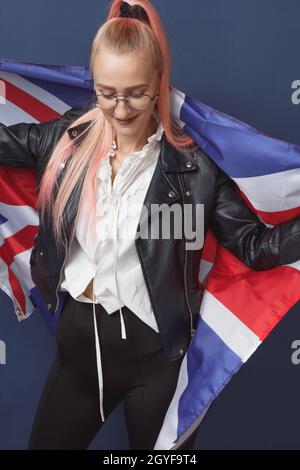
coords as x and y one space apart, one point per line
121 35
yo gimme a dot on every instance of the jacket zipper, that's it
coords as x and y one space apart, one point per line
186 259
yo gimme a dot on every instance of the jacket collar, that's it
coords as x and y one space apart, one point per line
171 159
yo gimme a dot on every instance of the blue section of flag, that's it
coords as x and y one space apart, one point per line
75 97
39 302
63 75
3 219
205 374
237 148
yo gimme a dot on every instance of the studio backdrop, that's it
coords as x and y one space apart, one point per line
239 58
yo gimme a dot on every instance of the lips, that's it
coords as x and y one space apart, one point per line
127 121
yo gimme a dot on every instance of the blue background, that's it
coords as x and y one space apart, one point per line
240 57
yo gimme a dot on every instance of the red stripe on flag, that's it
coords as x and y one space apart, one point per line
273 218
28 103
17 243
18 186
210 247
258 298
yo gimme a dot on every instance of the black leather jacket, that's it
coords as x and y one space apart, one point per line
171 280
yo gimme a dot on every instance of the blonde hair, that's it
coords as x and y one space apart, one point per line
121 35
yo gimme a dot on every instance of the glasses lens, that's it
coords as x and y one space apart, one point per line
135 101
139 102
106 102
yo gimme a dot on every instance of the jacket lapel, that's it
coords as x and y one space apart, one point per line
163 188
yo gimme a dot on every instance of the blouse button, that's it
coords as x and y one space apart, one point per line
74 133
172 194
189 164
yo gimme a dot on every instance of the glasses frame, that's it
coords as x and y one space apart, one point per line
125 98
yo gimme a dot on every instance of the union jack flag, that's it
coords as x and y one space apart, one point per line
31 94
240 306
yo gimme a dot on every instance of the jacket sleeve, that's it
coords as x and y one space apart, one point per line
240 230
22 144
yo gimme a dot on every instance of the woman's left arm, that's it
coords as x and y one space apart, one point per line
241 231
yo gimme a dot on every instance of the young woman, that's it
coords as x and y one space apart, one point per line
131 302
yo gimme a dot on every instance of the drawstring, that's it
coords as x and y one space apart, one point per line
98 357
115 262
115 267
123 329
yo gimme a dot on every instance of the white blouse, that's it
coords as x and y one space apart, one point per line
111 260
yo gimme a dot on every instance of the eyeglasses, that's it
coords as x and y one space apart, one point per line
137 101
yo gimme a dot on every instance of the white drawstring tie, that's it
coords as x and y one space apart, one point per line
117 196
123 329
115 262
99 364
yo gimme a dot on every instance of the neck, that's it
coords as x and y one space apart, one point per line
131 144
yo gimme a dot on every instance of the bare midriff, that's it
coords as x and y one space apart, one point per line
89 291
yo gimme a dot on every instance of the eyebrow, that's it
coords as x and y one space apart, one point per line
128 88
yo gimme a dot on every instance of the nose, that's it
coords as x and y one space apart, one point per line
122 110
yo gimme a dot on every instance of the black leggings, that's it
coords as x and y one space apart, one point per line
136 370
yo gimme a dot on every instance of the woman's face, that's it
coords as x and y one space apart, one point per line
124 74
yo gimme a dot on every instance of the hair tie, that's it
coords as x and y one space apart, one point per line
125 10
135 11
